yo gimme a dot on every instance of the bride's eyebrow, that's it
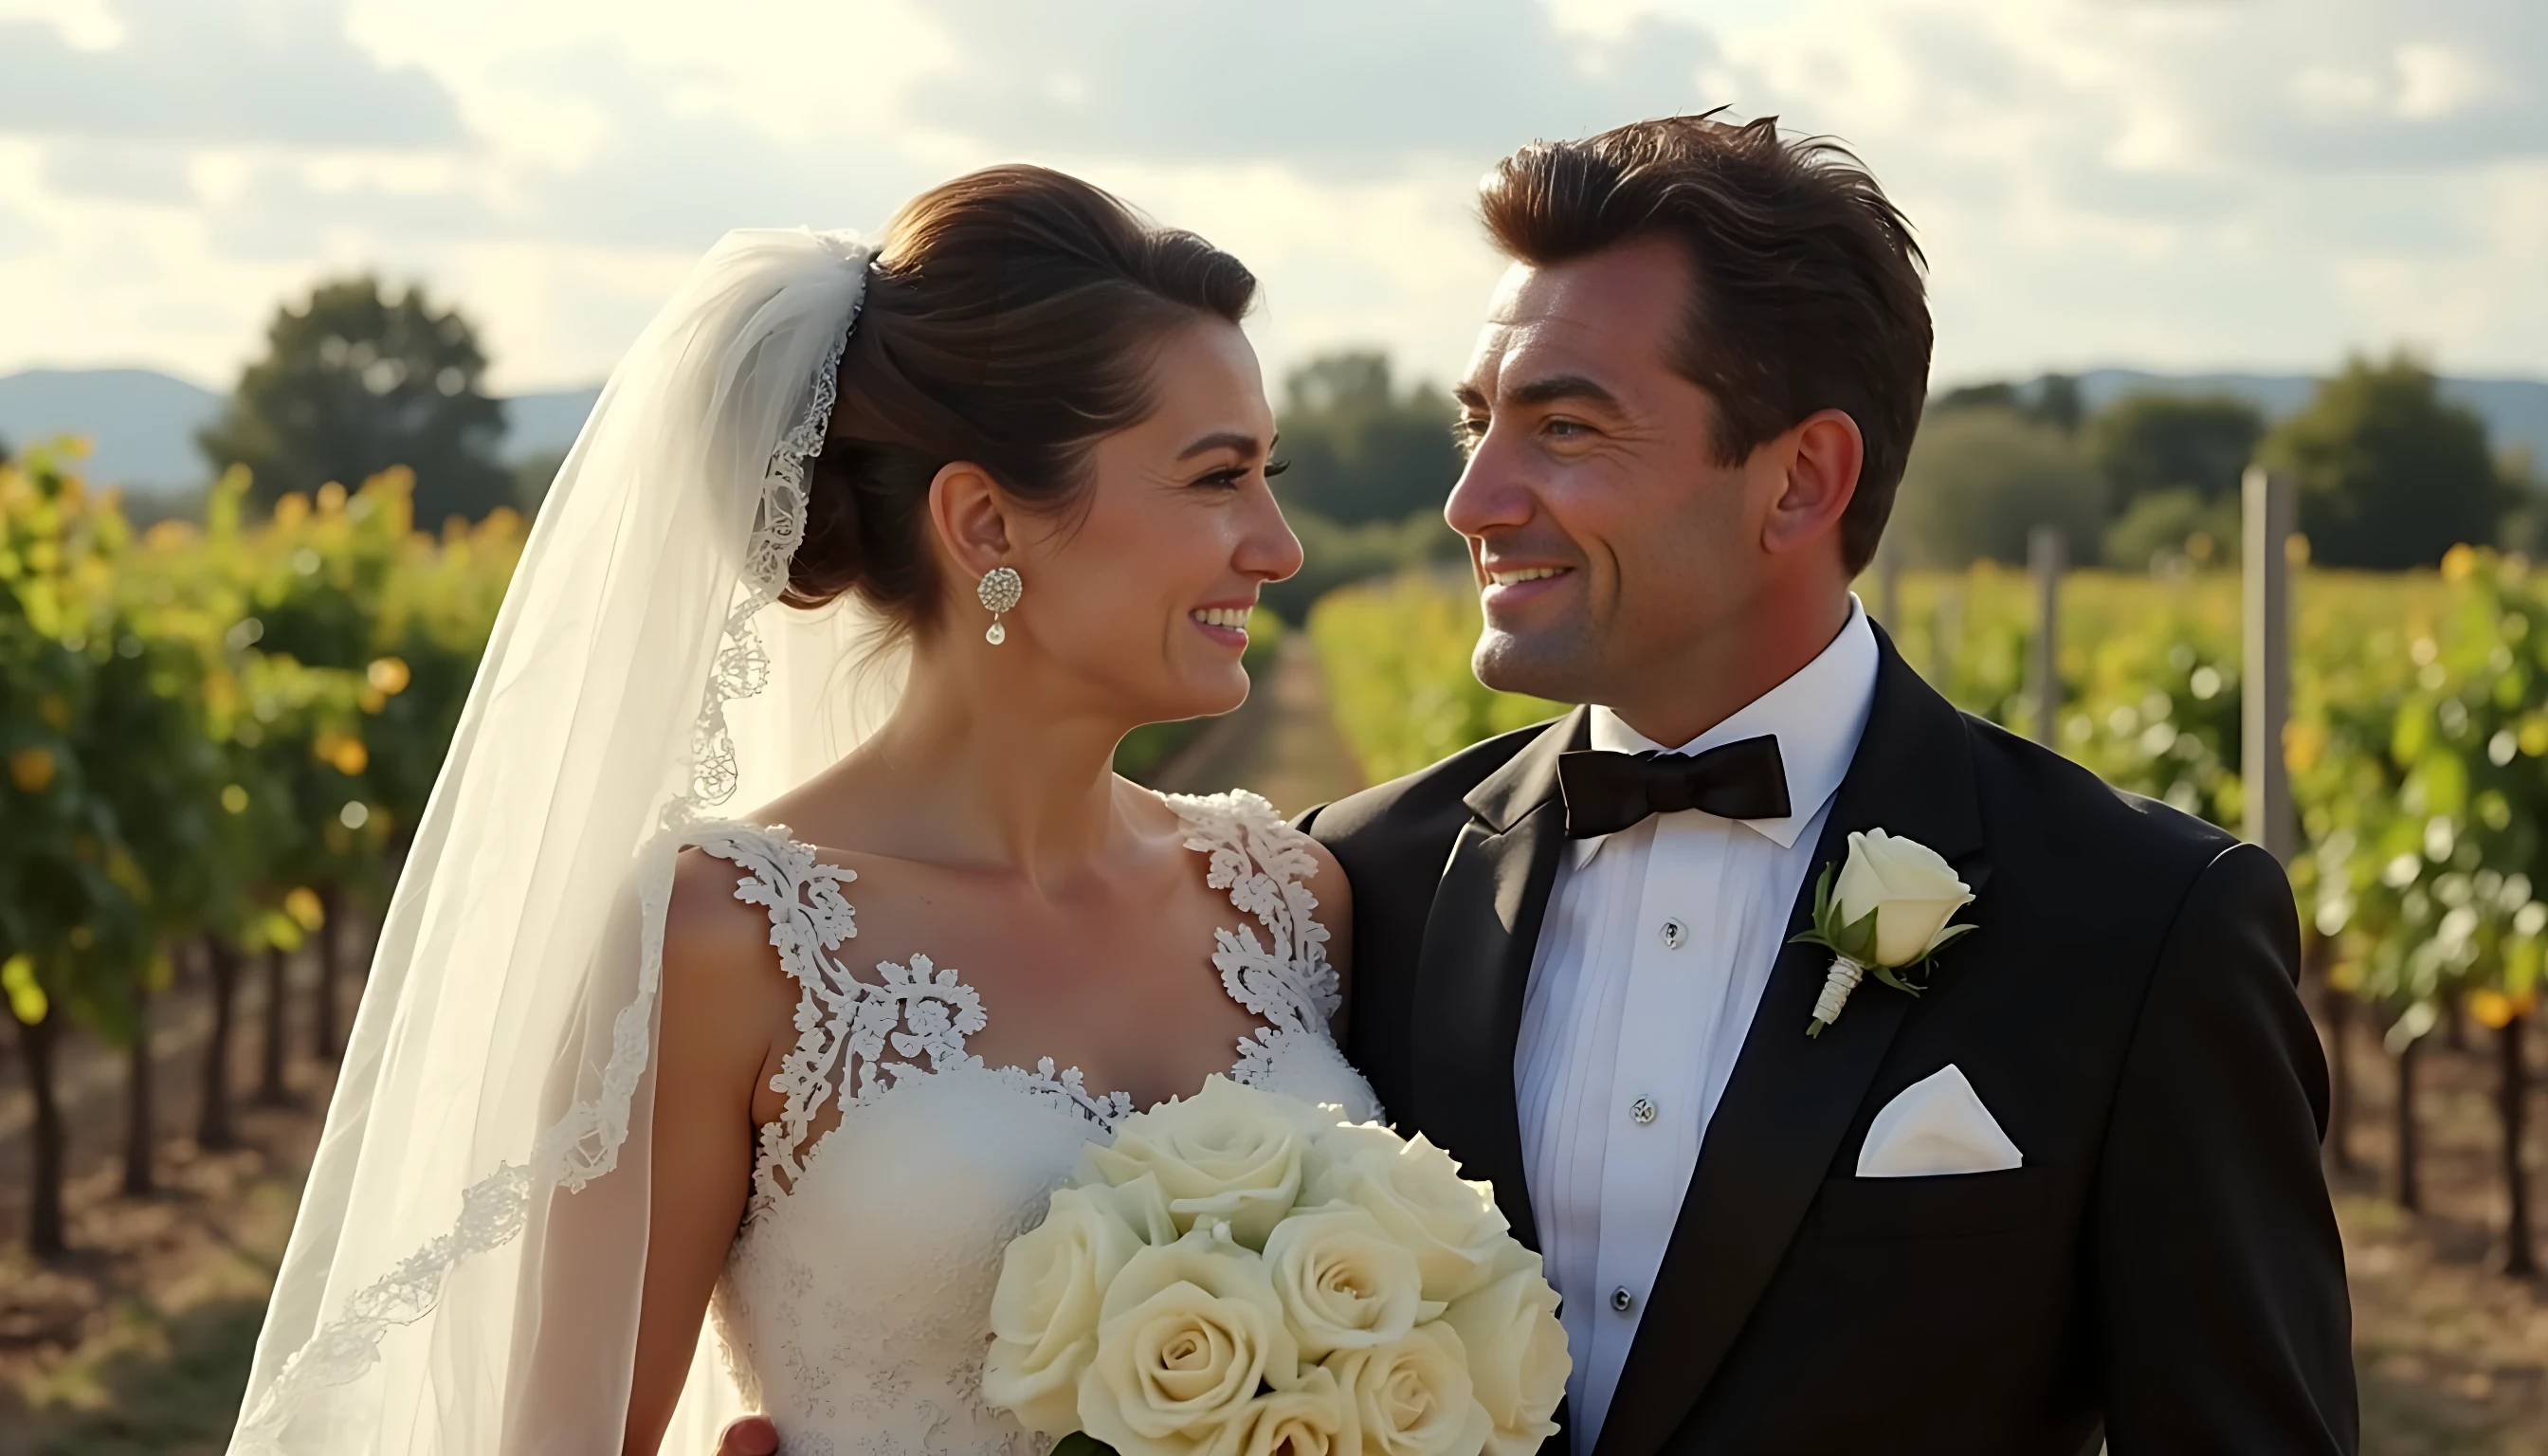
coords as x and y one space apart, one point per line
1229 440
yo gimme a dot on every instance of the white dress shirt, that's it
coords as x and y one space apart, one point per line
1658 943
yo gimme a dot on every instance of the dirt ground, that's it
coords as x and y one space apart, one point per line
140 1342
2453 1356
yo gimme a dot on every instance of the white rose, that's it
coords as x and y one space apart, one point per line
1516 1353
1313 1418
1044 1312
1415 1190
1911 889
1143 1206
1228 1153
1187 1336
1344 1283
1415 1396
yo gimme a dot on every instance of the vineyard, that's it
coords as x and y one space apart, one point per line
216 740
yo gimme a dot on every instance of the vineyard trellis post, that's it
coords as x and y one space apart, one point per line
2271 513
140 1126
2047 558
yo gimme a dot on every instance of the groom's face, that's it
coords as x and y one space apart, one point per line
1603 527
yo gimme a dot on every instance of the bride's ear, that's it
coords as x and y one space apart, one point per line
970 518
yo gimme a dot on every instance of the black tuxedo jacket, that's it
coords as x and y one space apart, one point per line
2166 1262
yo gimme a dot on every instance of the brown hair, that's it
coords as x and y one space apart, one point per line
1807 294
1010 322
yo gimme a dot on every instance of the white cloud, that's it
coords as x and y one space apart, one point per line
2443 80
279 71
1351 88
2169 182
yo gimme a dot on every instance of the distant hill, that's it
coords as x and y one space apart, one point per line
141 423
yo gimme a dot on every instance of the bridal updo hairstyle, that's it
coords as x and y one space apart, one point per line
1011 321
1808 296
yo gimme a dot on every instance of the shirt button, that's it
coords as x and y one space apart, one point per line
1641 1111
1621 1299
1675 933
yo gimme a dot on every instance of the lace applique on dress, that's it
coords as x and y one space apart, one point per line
1262 861
856 1038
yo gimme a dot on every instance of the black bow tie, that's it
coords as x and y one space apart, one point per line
1607 792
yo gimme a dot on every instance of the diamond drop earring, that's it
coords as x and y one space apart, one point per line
1000 591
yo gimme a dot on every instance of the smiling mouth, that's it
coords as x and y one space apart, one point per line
1514 577
1230 618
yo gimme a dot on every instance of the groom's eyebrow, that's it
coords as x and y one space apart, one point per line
1555 387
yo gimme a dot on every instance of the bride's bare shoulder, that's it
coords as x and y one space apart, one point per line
715 943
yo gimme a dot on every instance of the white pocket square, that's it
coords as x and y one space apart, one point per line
1937 1125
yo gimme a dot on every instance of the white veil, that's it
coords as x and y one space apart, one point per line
500 1061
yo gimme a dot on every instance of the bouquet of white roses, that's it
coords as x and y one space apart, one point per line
1240 1274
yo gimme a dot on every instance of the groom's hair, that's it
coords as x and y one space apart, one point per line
1808 292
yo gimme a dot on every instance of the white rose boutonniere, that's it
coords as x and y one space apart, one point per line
1886 917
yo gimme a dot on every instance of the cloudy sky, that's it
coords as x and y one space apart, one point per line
2169 183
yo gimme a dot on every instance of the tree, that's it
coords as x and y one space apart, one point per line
2058 402
1981 479
2151 441
1360 450
356 381
2051 400
2389 474
2176 519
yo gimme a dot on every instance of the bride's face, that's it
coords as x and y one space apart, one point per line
1137 595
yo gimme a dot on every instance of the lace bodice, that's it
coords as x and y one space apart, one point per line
856 1302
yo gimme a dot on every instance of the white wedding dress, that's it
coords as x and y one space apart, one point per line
855 1306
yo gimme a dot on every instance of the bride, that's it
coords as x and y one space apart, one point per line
896 542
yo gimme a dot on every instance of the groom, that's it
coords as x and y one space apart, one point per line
1687 414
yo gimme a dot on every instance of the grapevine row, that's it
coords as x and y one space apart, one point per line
215 740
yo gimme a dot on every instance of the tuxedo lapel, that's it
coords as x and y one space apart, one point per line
1775 1133
1475 965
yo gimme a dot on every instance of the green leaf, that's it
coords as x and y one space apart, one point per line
1858 942
1949 937
1081 1443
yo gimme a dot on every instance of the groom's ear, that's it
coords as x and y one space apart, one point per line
1817 463
970 518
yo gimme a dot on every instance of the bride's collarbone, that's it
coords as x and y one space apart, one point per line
1117 982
